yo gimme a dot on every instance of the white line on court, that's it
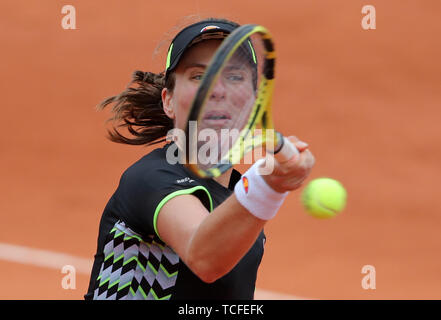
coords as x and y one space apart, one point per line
57 260
43 258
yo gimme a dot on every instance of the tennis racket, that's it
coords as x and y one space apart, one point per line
231 111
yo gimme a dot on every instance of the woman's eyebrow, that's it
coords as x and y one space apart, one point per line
195 65
234 67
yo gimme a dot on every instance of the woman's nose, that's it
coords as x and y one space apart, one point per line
218 92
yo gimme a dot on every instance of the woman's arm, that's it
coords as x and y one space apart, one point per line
211 244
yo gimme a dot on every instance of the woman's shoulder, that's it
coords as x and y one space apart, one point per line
154 166
154 158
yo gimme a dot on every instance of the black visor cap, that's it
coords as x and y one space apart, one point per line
187 35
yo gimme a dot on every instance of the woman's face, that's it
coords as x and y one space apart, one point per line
227 98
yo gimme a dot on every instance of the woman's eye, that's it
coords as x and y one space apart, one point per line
197 77
235 77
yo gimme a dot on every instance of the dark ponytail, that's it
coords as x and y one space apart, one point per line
139 109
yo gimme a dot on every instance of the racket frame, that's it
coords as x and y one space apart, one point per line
261 111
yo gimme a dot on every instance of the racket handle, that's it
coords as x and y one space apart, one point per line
286 150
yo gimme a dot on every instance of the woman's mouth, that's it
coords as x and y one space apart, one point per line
216 118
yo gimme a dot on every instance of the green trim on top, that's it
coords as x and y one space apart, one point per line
169 56
174 194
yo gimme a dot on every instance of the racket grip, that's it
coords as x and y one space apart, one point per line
286 150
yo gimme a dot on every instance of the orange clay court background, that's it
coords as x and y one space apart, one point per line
367 101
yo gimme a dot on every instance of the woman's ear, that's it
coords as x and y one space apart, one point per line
167 103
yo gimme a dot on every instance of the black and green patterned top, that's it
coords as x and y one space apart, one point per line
131 260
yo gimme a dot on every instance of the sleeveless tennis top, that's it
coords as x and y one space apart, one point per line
132 262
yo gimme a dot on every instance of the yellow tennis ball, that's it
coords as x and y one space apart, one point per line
324 198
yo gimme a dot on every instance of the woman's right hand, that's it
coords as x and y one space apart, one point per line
289 175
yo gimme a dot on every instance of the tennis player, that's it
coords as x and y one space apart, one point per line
165 233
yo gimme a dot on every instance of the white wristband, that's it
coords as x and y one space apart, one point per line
256 195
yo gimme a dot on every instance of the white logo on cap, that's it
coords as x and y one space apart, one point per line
209 28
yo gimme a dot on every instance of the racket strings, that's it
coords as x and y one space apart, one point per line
232 116
233 97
